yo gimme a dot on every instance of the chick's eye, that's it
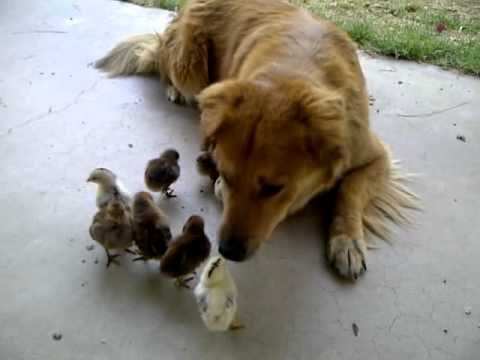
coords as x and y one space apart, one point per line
269 190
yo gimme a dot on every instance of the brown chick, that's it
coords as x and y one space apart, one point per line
163 172
112 228
206 166
151 227
186 252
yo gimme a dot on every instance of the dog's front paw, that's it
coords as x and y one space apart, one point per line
348 255
174 96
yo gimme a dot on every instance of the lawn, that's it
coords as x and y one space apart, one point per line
440 32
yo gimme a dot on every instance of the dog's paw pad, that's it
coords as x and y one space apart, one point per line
174 96
348 256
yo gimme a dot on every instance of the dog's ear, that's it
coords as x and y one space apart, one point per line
217 104
323 114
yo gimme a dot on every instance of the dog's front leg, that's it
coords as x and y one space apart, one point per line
347 248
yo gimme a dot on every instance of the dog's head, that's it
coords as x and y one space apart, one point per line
276 145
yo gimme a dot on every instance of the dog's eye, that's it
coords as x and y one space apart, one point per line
270 190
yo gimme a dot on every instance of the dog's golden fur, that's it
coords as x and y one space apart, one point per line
284 110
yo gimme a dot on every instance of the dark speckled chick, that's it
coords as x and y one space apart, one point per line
151 227
186 252
163 172
206 166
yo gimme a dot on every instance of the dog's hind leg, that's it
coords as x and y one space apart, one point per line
179 55
186 54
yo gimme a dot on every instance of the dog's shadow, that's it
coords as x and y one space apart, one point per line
305 235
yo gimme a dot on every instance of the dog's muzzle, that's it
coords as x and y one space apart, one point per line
234 247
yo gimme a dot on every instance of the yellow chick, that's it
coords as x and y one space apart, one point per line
108 187
216 295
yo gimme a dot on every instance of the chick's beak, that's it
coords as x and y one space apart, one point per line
89 179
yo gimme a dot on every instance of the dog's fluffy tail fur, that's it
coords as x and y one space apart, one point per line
136 55
392 202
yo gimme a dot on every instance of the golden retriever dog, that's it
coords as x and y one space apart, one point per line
285 115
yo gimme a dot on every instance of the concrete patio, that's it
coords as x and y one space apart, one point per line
59 118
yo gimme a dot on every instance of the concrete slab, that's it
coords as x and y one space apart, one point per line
60 118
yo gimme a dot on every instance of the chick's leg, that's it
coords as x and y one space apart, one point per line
169 193
182 281
111 258
129 251
236 325
140 258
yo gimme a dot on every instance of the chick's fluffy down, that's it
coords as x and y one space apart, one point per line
216 295
217 307
187 251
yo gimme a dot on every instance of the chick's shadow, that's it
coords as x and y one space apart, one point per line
142 284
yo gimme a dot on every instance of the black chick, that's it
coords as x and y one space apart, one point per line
163 172
151 227
206 166
186 252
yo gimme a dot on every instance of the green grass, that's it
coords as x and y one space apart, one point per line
414 42
403 29
164 4
409 29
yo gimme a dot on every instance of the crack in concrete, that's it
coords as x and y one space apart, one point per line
392 324
432 113
74 147
50 111
417 318
39 32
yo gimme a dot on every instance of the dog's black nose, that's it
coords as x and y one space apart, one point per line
233 248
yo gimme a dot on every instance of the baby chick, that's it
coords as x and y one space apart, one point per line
112 228
151 227
163 172
206 165
216 296
108 187
186 252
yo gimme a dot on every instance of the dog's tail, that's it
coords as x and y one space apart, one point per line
140 54
393 203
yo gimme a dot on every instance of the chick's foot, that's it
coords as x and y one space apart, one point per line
183 282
